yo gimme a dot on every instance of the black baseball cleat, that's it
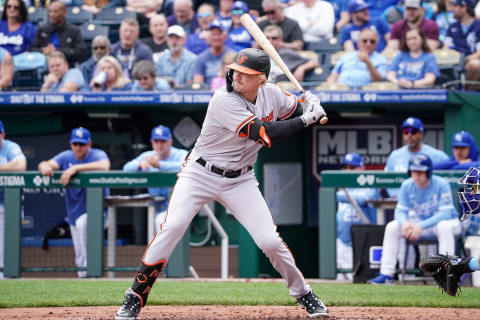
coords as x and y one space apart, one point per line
130 307
313 305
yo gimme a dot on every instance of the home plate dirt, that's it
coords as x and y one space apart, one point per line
241 313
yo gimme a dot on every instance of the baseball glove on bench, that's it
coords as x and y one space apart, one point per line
446 271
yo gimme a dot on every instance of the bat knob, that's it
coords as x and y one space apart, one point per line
323 120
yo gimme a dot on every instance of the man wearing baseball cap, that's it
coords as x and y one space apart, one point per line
162 158
412 136
80 157
209 62
348 215
414 19
176 63
358 10
464 153
463 35
11 159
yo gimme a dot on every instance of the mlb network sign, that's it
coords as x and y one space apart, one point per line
373 142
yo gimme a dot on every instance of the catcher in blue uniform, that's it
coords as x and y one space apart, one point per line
447 270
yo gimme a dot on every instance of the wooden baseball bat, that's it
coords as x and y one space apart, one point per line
265 44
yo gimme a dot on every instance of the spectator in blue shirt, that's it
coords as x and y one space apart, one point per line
60 78
80 157
414 66
464 153
444 18
359 68
209 62
238 34
16 33
109 76
224 14
146 78
464 36
128 50
183 15
196 42
176 63
358 10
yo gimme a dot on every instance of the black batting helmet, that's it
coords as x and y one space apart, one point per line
251 61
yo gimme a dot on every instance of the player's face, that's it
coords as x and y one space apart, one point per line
246 84
80 150
161 147
420 178
412 137
461 153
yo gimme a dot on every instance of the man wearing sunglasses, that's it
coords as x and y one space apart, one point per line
412 136
238 34
358 68
292 33
100 48
80 157
196 42
359 13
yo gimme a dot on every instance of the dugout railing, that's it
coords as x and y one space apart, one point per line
334 179
94 182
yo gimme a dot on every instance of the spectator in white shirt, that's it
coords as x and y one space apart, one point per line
315 17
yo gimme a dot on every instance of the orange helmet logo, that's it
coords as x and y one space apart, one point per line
241 59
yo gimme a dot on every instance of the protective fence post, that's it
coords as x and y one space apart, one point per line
327 233
178 266
13 227
95 232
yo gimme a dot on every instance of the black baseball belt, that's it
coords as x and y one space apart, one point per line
225 173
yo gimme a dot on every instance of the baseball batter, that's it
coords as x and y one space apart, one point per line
240 120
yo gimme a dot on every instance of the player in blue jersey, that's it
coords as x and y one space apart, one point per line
412 134
424 209
464 153
163 158
347 214
80 157
11 159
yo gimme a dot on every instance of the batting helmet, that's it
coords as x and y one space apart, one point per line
470 197
353 159
420 162
251 61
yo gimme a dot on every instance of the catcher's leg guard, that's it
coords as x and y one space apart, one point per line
145 278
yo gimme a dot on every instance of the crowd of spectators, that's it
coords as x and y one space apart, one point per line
186 40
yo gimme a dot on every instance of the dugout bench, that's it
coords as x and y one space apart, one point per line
333 179
94 182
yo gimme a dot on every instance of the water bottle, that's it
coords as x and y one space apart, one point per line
100 79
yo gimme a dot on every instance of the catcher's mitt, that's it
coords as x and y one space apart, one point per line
446 271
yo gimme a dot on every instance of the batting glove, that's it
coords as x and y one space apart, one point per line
311 117
310 100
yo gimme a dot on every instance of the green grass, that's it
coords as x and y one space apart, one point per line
46 293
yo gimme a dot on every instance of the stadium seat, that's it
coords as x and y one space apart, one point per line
319 74
335 57
78 16
380 85
330 45
89 31
307 54
331 87
28 80
450 64
37 15
114 16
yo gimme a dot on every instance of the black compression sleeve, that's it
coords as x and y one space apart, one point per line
297 113
279 130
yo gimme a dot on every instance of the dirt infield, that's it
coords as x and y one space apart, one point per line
241 313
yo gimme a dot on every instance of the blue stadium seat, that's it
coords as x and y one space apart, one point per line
78 16
37 15
89 31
